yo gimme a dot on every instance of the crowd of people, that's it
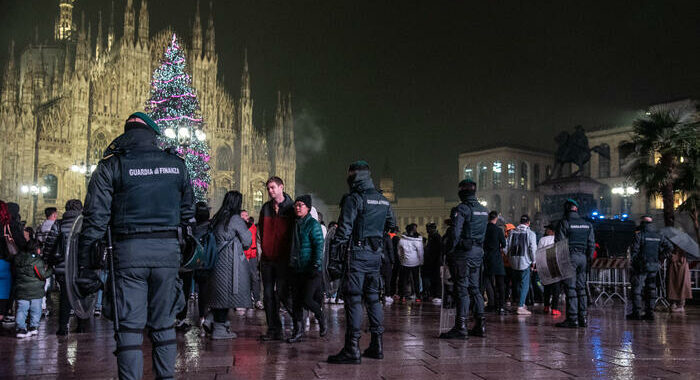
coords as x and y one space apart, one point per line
288 261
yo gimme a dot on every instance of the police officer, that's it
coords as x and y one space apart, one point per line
365 216
648 245
464 257
144 194
581 247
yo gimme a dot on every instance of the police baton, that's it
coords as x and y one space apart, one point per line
113 281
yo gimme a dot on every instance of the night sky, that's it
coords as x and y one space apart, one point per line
415 83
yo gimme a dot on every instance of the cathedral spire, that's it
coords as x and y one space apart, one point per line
110 32
197 34
143 23
98 44
129 21
64 23
209 45
245 77
9 83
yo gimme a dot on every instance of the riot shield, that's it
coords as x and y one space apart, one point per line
553 262
83 306
448 311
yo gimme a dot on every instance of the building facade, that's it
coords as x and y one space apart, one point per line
506 178
64 100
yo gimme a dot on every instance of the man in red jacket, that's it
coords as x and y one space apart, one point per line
275 225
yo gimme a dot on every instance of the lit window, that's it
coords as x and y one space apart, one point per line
511 174
497 174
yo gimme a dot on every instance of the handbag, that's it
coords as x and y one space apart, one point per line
12 249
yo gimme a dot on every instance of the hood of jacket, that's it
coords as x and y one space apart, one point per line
411 238
522 228
136 136
362 181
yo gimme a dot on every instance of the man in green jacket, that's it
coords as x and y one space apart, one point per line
306 264
32 273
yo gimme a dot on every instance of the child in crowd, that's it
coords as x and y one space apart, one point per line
31 273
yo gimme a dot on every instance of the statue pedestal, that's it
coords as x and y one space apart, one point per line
556 191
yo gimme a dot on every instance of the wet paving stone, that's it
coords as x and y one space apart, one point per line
515 348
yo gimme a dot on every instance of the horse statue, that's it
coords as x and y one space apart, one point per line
573 148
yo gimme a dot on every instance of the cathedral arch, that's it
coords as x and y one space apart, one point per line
224 158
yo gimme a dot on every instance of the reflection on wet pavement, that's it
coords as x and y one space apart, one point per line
515 347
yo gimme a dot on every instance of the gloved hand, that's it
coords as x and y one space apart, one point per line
88 282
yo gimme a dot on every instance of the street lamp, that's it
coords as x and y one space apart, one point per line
33 189
625 190
184 135
83 169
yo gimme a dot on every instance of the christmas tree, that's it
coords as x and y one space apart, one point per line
174 106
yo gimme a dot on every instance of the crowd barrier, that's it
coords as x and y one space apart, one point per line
608 279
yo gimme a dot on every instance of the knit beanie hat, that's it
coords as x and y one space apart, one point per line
305 199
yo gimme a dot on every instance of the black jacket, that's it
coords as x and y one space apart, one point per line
433 251
494 241
579 232
365 216
648 248
16 230
54 244
469 219
136 188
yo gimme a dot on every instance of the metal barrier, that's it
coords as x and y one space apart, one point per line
609 277
695 275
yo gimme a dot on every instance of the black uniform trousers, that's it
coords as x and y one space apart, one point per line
495 291
465 268
576 300
644 282
357 285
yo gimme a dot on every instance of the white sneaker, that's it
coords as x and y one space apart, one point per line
437 301
32 331
522 310
388 300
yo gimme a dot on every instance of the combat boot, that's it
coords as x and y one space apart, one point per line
459 331
350 354
568 323
376 348
582 321
297 333
220 331
479 328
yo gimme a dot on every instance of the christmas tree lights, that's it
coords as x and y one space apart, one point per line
173 104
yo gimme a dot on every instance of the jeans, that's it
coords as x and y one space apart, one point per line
521 283
33 307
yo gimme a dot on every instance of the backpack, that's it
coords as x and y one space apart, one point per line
518 244
205 253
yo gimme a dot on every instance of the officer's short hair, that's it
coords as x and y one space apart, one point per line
276 180
50 211
524 219
493 215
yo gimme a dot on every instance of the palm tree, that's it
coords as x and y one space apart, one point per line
663 141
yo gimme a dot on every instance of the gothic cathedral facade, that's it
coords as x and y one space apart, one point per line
63 101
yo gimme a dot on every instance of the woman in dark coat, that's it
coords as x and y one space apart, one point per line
494 272
11 224
229 286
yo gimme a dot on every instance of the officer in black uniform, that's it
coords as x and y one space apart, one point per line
144 194
464 257
648 245
365 216
581 246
